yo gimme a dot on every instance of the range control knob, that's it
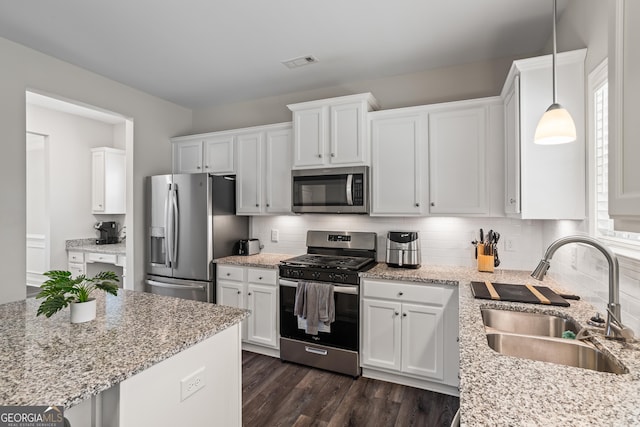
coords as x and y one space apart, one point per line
315 275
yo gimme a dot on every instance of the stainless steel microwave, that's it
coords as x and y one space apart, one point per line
334 190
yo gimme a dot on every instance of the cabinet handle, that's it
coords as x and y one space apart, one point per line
319 156
257 205
395 313
417 205
400 294
404 314
268 205
249 294
198 167
206 167
512 201
433 203
260 278
239 292
228 274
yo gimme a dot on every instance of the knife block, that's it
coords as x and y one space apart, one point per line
485 262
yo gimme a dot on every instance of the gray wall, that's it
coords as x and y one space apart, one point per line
155 121
456 83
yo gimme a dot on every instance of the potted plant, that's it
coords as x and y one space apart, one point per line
62 290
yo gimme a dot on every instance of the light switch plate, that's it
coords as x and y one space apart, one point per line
275 235
192 383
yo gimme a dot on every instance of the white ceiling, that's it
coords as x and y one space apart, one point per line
202 53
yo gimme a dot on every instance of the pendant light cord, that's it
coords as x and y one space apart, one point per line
555 94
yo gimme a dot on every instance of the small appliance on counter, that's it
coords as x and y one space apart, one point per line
403 249
108 232
249 247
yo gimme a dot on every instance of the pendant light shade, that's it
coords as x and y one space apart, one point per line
556 125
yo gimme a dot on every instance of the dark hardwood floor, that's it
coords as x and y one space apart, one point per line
275 393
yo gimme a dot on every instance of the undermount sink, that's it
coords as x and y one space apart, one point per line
527 323
563 352
537 336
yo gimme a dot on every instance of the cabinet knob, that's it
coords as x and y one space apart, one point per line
228 274
260 278
512 201
257 205
400 294
239 292
433 203
198 167
404 314
333 154
268 205
206 167
417 205
319 156
396 313
249 294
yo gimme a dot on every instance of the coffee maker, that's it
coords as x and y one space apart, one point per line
108 232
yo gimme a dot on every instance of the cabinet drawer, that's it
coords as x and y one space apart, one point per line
75 269
267 277
105 258
396 291
77 257
230 273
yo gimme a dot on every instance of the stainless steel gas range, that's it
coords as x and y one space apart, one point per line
333 259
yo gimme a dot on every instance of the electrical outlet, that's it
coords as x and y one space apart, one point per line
275 235
510 245
192 383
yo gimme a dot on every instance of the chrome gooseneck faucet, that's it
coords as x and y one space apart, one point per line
614 327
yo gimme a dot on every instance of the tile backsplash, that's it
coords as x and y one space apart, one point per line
444 240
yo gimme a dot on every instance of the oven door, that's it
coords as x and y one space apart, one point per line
337 190
344 332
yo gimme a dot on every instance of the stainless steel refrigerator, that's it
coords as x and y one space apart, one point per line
191 219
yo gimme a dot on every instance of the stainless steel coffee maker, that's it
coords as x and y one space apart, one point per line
403 249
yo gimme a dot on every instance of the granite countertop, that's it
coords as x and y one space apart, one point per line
262 260
132 332
89 245
502 390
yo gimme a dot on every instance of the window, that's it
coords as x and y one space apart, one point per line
599 123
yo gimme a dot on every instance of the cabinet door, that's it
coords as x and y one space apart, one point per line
624 141
219 155
187 157
423 341
512 148
232 295
398 175
381 334
347 134
97 181
310 136
263 302
278 171
249 176
115 183
457 168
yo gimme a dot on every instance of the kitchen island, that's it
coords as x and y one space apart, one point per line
496 389
137 352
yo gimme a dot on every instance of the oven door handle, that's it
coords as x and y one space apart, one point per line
351 290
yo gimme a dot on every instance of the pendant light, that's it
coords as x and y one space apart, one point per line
556 125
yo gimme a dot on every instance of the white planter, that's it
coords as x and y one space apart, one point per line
83 311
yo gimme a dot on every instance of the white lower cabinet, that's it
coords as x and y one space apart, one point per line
409 334
255 289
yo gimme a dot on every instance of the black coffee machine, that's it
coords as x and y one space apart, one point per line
108 232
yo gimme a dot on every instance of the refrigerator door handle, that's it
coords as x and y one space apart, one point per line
176 222
172 286
167 234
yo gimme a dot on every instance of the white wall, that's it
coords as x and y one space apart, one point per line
155 121
70 140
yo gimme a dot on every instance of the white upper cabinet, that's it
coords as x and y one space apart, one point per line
264 170
624 105
398 157
332 132
458 146
213 153
544 181
108 181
